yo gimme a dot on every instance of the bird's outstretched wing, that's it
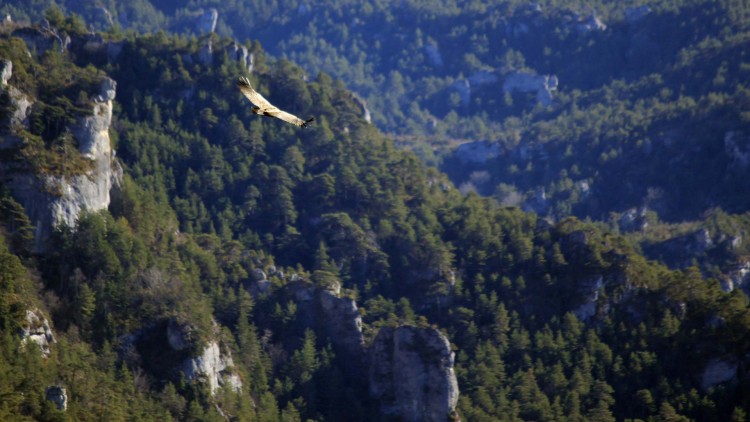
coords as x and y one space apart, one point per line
264 107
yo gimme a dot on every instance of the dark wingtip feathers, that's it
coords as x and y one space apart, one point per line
243 81
308 121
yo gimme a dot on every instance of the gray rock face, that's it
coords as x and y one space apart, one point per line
737 147
363 107
411 374
433 55
241 54
106 16
337 316
207 21
206 54
483 77
344 321
6 71
718 371
633 219
590 23
36 330
477 152
58 395
463 88
20 104
52 200
542 85
38 41
590 289
212 367
737 277
178 335
114 49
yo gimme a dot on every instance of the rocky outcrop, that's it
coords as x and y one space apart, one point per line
364 111
718 371
36 330
206 54
206 22
737 277
6 71
39 40
737 147
212 367
433 55
338 317
590 289
483 77
477 152
241 54
411 374
19 103
345 322
590 23
57 395
633 219
463 88
542 85
209 364
53 200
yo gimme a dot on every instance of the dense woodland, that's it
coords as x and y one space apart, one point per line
211 193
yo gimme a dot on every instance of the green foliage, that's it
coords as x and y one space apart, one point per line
221 214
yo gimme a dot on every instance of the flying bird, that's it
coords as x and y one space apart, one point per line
264 108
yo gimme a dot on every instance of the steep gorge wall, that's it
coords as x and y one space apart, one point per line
53 200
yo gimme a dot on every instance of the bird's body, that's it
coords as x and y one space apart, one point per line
264 108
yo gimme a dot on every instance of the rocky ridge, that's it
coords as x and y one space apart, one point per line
53 200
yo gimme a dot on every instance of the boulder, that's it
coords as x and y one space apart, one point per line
411 374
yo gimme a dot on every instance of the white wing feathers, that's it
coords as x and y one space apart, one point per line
265 108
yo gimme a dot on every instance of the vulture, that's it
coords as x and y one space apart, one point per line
265 108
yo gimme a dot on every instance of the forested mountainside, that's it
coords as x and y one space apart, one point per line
630 113
241 268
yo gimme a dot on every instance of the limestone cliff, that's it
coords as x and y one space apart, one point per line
51 200
213 367
338 317
411 374
36 330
